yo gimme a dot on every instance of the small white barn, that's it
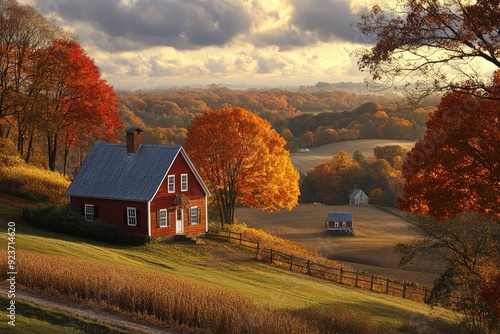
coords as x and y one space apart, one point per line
358 197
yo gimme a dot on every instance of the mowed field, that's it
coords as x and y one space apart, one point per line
304 161
370 250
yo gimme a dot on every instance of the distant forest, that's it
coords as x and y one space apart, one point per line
307 117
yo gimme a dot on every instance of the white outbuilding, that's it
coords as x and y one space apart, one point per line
358 197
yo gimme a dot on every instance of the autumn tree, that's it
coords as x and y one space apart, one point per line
243 161
78 103
24 34
431 45
332 182
394 154
468 248
456 167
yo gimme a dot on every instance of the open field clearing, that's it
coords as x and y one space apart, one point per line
304 161
370 250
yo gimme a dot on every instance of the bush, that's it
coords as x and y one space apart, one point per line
64 220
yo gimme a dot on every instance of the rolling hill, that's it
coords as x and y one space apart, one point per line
304 161
370 250
221 265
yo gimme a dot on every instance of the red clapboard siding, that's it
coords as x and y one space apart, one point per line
164 200
112 211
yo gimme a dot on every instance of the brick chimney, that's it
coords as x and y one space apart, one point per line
134 139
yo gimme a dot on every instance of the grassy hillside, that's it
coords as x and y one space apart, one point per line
26 181
304 161
220 265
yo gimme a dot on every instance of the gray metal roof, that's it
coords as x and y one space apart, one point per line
109 172
339 216
356 193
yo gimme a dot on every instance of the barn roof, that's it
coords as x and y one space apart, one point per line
339 216
109 172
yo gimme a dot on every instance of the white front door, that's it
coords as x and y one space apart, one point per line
179 221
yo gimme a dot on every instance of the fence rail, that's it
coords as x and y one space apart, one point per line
340 275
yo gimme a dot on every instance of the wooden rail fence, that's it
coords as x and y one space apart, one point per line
340 275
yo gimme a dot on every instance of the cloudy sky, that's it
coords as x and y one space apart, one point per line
150 43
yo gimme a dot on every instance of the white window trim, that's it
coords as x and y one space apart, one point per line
171 182
163 220
184 184
89 215
131 216
336 224
193 213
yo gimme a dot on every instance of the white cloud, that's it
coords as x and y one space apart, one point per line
153 42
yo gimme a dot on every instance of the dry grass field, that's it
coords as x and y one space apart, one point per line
370 250
304 161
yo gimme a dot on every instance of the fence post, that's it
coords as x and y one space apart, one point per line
341 273
257 251
371 283
387 287
241 236
271 256
309 267
356 281
425 295
404 290
291 261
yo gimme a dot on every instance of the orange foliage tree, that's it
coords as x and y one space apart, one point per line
456 167
436 41
243 161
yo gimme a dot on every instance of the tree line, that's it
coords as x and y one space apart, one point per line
307 117
379 176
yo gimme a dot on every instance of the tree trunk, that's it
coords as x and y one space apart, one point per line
52 151
20 143
28 154
66 153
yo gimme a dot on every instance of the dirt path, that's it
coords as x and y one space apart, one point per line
117 321
371 250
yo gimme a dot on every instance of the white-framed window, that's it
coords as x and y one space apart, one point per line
131 216
184 182
89 212
194 215
163 218
171 184
336 224
344 224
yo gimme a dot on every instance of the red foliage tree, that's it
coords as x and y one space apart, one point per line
456 167
490 292
79 104
429 45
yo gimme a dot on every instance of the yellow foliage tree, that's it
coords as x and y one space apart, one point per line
243 161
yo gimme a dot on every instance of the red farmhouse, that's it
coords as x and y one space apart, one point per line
149 189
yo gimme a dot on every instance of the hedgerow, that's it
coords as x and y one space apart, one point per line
64 220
